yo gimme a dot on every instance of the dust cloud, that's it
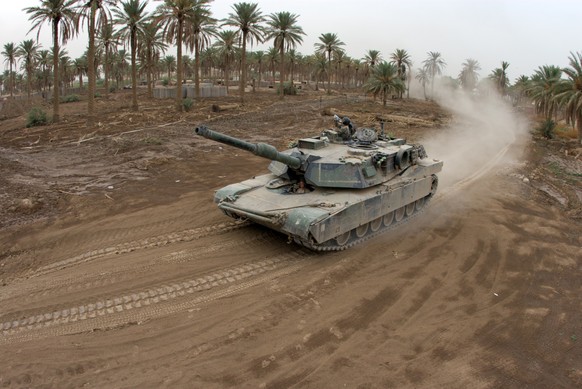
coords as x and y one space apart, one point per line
483 128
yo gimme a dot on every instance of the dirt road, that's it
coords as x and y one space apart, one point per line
126 275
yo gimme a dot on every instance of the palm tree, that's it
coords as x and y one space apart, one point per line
499 77
569 92
169 63
259 56
328 43
293 56
118 66
520 87
357 65
81 67
247 18
542 88
423 77
151 45
61 14
272 58
434 65
10 54
226 48
401 59
44 60
64 69
371 58
97 15
27 51
186 67
131 17
208 59
468 76
384 80
320 68
283 29
174 15
107 39
200 28
339 57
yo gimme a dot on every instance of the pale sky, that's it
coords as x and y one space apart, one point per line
525 33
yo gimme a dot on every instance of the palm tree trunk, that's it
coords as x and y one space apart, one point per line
91 67
282 71
197 67
106 69
243 70
28 84
328 71
179 67
260 72
11 81
149 72
56 71
134 106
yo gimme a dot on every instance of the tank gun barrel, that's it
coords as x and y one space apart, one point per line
261 149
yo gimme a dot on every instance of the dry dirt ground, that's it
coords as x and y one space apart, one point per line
118 271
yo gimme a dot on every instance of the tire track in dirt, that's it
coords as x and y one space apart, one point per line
147 303
127 247
54 285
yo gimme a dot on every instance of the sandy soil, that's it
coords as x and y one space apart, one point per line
118 271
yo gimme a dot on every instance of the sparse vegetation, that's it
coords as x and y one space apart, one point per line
70 99
187 103
288 89
547 128
36 117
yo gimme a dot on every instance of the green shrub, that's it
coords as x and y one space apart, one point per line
71 99
165 81
36 117
547 128
187 103
112 89
288 89
97 94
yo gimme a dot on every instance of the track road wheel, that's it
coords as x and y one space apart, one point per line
419 204
399 214
343 238
376 224
361 230
388 218
410 209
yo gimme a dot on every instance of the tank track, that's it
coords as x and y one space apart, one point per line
331 245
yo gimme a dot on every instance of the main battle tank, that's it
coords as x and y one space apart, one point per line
335 190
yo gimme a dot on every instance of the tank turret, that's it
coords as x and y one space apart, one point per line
333 190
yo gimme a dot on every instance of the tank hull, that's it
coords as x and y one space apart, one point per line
327 218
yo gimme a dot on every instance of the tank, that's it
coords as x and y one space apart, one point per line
334 190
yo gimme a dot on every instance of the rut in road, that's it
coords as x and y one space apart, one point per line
140 305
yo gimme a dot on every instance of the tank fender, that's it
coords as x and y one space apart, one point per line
232 191
300 219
